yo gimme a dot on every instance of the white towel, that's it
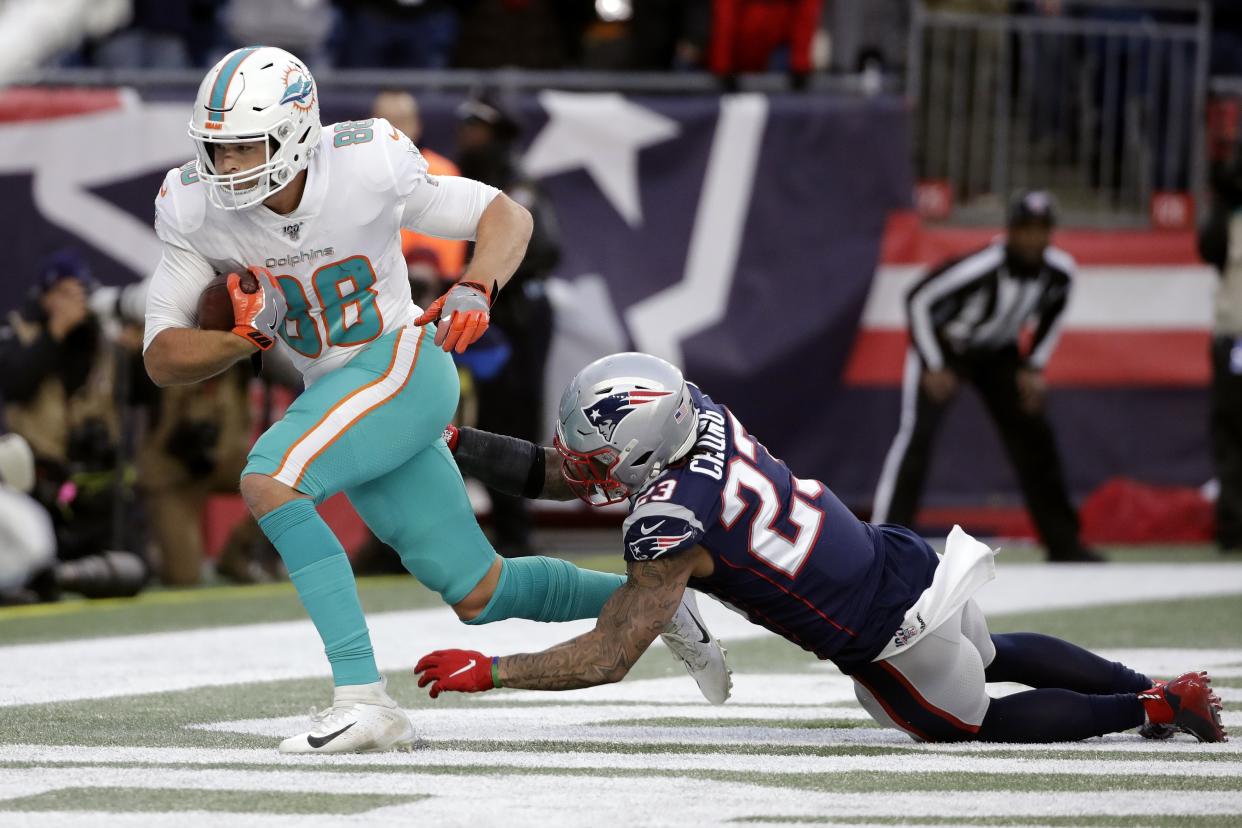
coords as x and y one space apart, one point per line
966 565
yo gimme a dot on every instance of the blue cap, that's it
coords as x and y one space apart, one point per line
66 263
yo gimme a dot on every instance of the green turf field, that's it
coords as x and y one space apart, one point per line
165 710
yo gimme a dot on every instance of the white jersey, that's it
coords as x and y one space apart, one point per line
337 257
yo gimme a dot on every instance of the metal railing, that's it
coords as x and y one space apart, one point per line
1104 104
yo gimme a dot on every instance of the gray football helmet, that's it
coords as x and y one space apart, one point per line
622 420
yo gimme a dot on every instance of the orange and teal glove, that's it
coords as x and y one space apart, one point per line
258 306
466 311
465 671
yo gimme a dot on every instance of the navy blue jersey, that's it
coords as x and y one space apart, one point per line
787 552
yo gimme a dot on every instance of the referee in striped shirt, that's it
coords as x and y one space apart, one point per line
965 319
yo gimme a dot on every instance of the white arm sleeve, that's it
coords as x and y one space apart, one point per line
447 206
172 300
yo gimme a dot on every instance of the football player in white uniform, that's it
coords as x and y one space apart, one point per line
315 214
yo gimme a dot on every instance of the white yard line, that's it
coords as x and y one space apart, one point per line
540 800
575 722
160 662
694 762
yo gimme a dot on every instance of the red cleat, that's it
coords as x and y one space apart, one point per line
1186 703
1154 731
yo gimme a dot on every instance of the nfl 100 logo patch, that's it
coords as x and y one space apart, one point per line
908 631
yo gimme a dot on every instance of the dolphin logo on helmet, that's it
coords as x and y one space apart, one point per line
297 91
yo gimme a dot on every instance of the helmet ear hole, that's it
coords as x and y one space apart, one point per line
641 459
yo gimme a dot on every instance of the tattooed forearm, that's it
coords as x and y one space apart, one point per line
554 485
634 615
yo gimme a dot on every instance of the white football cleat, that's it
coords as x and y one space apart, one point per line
687 636
363 718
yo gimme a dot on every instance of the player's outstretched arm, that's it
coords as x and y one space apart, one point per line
634 615
509 464
180 356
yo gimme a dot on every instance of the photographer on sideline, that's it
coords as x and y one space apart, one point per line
58 379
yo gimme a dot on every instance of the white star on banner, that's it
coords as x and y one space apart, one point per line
602 133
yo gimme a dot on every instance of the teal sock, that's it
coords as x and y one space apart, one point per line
547 589
321 574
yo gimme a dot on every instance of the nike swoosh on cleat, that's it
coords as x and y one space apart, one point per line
707 639
320 741
469 666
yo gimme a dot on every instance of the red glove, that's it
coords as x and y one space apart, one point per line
451 433
465 671
258 306
467 306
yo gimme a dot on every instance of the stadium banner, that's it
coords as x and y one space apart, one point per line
763 243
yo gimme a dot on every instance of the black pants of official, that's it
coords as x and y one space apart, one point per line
1027 437
1226 431
512 402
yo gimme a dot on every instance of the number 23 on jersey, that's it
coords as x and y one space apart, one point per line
345 301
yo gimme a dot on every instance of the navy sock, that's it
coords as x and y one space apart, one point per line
1045 662
1058 716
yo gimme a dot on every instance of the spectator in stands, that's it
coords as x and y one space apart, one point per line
301 26
763 36
1226 38
162 35
1220 244
398 33
527 34
58 378
401 110
156 37
868 34
669 34
512 402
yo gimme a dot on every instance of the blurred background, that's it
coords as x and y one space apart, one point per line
749 188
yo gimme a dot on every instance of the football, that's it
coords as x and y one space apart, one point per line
215 309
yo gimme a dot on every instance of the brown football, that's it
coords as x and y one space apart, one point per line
215 309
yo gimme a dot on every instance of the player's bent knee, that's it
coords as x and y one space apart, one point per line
476 602
264 494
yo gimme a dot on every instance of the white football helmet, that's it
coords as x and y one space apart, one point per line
259 93
622 420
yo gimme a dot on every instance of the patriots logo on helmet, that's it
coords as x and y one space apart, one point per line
607 413
298 90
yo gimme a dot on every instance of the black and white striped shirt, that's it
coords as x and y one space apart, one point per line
976 302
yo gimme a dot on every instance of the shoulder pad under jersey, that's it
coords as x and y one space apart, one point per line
376 154
181 203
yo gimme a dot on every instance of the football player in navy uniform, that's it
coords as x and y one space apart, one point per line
712 509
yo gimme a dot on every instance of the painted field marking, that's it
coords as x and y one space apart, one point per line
529 799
